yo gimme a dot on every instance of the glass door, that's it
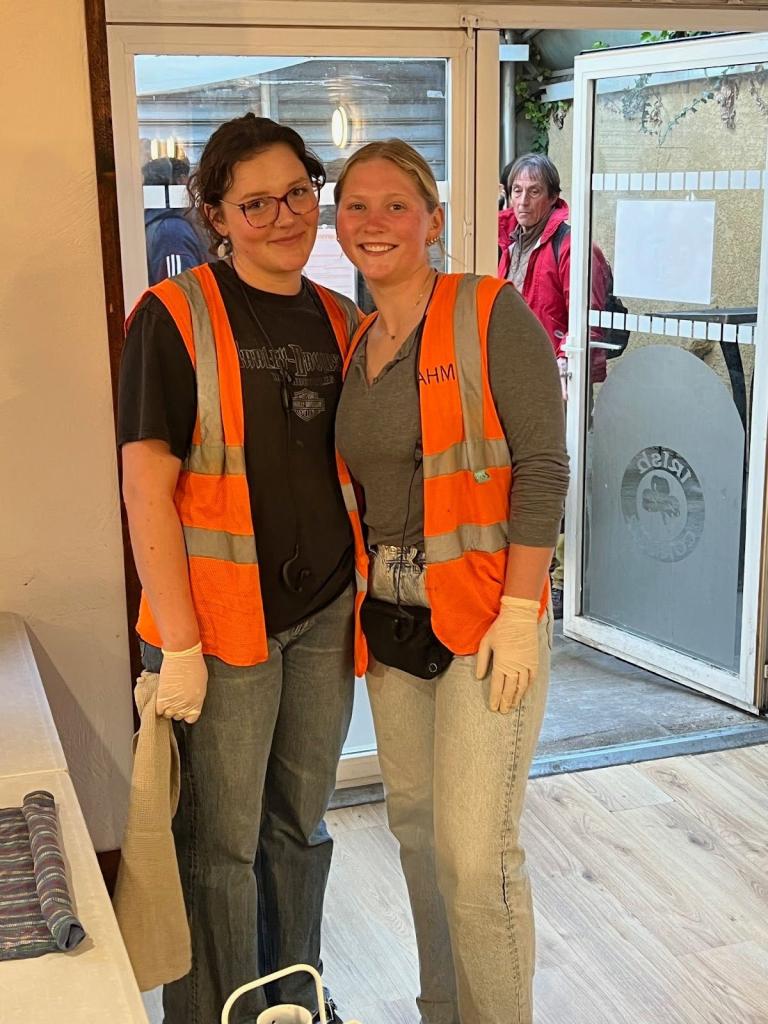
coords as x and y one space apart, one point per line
171 88
667 389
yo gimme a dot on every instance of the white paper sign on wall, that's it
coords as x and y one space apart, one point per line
329 266
664 250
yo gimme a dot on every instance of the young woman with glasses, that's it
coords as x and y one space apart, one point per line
246 539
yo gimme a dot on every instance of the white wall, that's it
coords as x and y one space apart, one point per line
60 543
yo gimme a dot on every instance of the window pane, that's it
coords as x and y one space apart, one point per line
337 104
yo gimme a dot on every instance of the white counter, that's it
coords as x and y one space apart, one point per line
94 983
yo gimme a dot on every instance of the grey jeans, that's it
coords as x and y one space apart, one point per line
455 775
257 771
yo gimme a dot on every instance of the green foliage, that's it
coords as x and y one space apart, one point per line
535 110
757 82
692 107
532 106
542 114
642 101
665 36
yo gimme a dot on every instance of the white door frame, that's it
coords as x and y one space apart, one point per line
742 689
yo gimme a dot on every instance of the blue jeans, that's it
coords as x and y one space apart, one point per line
455 775
257 771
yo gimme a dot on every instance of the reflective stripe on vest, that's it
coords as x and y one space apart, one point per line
361 561
469 537
350 503
228 547
211 457
458 457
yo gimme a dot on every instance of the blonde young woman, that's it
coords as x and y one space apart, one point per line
450 421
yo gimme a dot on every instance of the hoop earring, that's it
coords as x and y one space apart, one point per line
431 241
224 248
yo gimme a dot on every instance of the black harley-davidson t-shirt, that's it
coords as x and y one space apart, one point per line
291 379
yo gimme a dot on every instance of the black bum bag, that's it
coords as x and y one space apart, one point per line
402 637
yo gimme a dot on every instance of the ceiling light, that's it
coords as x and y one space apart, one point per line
340 127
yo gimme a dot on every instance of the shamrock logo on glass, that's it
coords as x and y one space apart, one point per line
657 498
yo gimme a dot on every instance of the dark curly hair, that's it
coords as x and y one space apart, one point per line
233 141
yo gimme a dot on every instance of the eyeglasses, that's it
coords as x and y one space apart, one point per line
264 211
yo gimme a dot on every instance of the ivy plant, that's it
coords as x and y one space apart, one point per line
635 102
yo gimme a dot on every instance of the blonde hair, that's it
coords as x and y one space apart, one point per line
403 156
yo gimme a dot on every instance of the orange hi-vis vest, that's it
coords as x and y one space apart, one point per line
466 463
212 497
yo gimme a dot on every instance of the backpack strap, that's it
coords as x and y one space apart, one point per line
563 230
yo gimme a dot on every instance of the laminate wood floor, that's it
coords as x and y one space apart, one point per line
651 889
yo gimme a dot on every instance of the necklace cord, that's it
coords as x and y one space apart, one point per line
430 279
418 450
286 379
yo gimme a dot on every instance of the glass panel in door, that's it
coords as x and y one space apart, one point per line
678 176
337 104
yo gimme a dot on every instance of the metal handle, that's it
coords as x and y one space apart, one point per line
274 977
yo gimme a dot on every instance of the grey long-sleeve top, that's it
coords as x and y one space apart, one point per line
378 428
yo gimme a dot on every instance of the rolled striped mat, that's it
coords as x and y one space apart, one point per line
36 913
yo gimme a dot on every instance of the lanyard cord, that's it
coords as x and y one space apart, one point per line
285 377
418 451
297 585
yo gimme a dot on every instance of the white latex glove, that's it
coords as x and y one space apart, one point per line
513 639
183 684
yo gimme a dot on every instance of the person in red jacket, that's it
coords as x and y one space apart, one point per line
535 247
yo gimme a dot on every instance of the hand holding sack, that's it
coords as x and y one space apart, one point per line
513 639
183 684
